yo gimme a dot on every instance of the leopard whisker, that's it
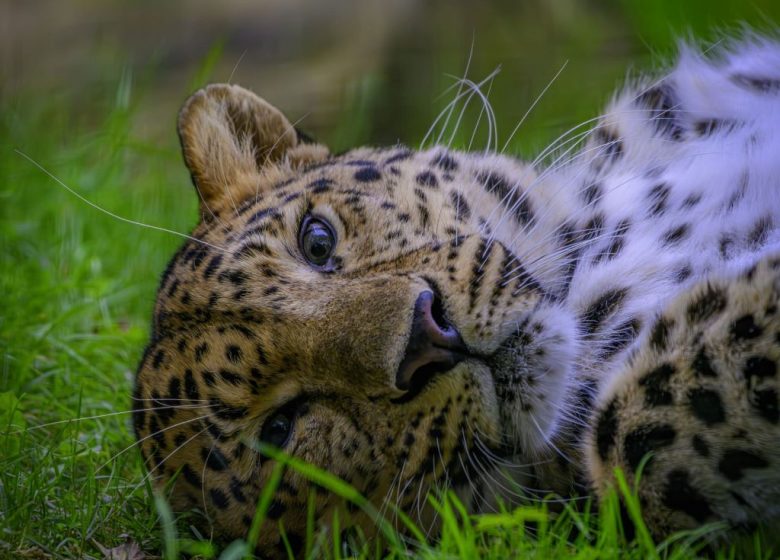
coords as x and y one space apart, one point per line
419 497
505 212
100 416
203 473
499 461
401 491
448 109
552 146
139 441
473 490
556 143
235 67
557 164
533 105
167 399
572 247
487 471
169 455
561 257
459 83
526 490
607 235
574 143
473 90
548 440
486 109
436 487
479 469
442 114
479 119
85 200
388 495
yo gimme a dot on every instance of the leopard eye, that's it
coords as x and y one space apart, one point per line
317 241
277 428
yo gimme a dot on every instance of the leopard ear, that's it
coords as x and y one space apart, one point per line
228 136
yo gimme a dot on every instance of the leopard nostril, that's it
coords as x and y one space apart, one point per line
429 320
436 313
434 345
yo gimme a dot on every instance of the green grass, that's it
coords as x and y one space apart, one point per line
78 287
77 296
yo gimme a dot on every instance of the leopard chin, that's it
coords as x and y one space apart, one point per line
532 371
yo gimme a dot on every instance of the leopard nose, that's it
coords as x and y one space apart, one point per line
434 345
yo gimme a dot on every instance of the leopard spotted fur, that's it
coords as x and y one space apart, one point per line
409 320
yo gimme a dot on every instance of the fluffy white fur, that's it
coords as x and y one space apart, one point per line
740 160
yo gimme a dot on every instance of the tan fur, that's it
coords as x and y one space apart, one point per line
228 134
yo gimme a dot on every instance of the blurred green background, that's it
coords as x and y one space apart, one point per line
90 89
376 66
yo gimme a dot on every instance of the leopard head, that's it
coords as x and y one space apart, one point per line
390 316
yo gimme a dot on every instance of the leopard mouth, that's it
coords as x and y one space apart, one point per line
439 363
428 362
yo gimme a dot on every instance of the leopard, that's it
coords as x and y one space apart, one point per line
411 321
